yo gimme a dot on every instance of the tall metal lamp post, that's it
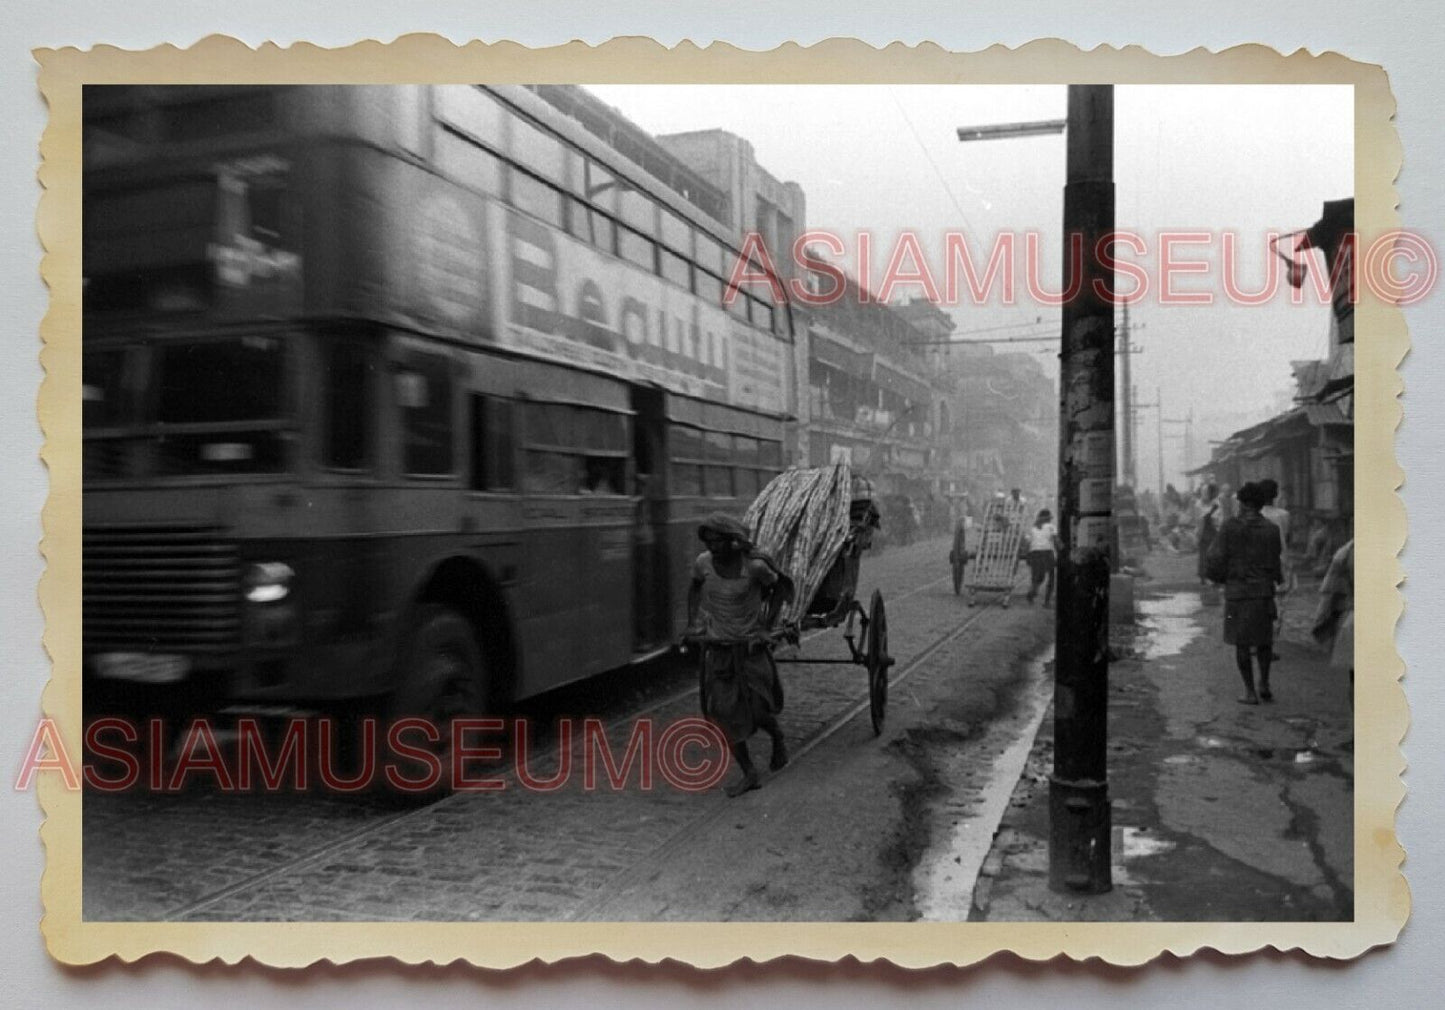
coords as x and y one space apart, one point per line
1079 817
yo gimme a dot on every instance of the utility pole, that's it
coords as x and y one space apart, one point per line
1185 435
1127 407
1159 430
1079 818
1079 821
1139 409
1189 440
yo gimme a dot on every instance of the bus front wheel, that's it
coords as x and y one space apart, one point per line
442 679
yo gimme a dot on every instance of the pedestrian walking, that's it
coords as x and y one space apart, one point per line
731 604
959 553
1245 556
1208 527
1279 515
1334 625
1043 541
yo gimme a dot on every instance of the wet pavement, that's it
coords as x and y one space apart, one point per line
1221 811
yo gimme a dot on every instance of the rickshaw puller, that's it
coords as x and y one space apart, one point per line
731 604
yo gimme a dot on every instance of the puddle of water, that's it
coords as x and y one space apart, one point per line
1135 843
1181 759
1168 624
1174 605
1305 757
1212 742
1129 846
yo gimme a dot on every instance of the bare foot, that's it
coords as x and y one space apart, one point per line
1265 694
1249 699
743 785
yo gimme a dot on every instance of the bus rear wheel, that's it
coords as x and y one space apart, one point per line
443 678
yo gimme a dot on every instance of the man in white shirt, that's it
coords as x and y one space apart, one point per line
1043 542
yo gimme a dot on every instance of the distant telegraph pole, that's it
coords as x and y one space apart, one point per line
1079 820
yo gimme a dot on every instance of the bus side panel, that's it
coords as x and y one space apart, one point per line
416 250
575 604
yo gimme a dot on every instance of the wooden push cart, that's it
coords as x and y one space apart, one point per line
995 564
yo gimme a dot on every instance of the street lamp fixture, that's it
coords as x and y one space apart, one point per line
1001 131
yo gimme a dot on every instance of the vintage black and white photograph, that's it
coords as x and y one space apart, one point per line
743 503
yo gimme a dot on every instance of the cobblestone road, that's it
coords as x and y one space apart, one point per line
507 855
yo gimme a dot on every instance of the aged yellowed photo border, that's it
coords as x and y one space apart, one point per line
1381 895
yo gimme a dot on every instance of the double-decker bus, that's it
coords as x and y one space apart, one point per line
413 392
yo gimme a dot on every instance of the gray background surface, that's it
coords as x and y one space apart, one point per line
1407 38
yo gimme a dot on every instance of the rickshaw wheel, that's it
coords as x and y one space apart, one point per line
877 661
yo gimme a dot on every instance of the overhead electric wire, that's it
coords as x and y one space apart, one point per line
942 179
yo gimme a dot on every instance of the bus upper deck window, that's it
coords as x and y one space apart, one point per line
348 406
600 187
537 198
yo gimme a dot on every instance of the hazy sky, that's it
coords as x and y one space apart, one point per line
1251 159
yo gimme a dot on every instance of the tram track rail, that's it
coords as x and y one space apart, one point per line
380 825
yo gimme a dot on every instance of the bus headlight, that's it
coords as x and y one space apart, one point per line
267 582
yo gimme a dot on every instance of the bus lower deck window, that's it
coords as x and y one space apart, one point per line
424 394
348 406
491 444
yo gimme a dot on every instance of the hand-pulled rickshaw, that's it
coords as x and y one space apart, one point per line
834 602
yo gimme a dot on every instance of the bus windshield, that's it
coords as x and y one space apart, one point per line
186 408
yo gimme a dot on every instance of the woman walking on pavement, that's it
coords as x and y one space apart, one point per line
1043 545
734 597
1245 557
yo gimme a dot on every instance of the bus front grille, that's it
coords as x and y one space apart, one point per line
159 588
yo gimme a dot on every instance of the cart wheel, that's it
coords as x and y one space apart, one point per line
957 577
877 661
